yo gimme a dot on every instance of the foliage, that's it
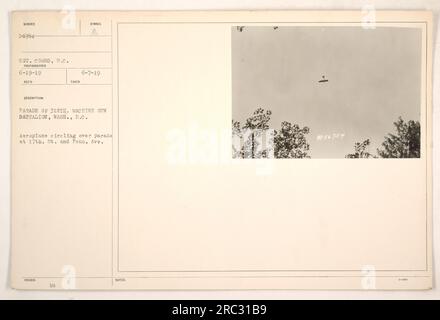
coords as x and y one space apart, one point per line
255 139
361 150
404 144
290 141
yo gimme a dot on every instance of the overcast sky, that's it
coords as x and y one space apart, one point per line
373 78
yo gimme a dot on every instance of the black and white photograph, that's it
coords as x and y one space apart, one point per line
233 152
326 92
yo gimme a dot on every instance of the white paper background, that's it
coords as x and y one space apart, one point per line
6 6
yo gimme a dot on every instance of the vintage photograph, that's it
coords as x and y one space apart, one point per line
326 92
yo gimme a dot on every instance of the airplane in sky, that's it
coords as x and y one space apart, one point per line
323 80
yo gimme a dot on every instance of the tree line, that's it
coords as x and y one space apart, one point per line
254 139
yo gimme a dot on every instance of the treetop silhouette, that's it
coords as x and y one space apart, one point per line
255 139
